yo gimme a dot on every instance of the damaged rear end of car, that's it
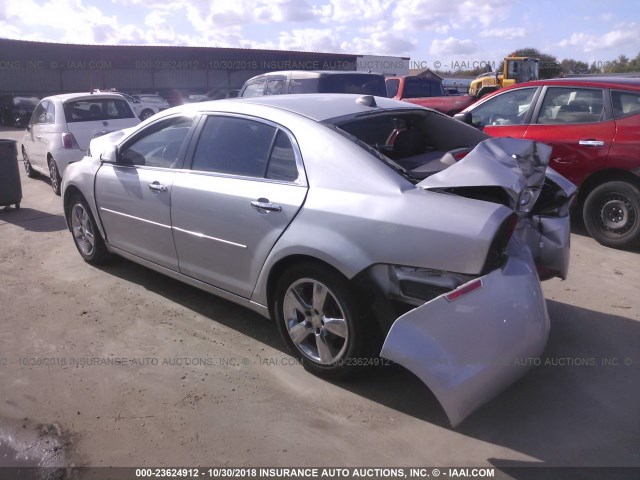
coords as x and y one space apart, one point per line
467 336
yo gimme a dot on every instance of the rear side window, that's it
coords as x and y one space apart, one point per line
282 162
239 146
303 85
97 109
235 146
571 105
625 103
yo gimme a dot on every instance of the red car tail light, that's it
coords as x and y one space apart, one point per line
69 141
464 290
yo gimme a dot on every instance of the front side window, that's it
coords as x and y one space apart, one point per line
625 103
159 146
509 108
40 113
563 105
274 87
97 109
239 146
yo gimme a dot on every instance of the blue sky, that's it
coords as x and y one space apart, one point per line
428 31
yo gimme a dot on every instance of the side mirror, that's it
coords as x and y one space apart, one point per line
110 154
464 117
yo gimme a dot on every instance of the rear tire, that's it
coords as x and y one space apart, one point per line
54 175
86 235
323 321
146 114
611 214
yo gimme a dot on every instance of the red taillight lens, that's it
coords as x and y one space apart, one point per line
460 155
464 290
69 141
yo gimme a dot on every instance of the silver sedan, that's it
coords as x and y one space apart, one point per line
363 226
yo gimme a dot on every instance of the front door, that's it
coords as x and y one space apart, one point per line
134 195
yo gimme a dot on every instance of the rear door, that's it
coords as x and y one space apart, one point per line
578 124
94 116
134 195
245 186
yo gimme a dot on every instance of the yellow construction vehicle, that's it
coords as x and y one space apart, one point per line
514 70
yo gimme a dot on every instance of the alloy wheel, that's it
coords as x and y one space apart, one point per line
315 321
82 229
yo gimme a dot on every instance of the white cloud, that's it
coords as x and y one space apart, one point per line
310 39
72 18
506 33
442 15
625 35
343 11
379 40
452 46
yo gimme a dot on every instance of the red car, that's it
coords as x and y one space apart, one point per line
593 125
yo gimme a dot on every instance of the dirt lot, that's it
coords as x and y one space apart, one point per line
205 382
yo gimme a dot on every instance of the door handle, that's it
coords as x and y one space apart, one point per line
39 137
157 187
264 206
591 143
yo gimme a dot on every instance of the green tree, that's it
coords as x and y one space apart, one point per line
549 65
569 66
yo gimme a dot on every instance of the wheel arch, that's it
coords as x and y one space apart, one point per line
603 176
362 284
70 192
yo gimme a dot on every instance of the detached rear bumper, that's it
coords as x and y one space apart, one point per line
469 349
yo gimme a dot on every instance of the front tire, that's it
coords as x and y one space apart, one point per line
31 173
54 175
323 321
86 235
612 214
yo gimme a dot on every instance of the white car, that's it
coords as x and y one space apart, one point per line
62 126
146 106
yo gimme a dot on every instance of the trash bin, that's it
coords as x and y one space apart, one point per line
10 186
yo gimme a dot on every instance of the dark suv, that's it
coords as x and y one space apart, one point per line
314 81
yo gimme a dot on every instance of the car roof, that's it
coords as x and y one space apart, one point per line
602 81
316 106
314 73
65 97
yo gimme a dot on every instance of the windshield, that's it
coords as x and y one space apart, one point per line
97 109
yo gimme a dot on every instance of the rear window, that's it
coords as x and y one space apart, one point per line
416 87
90 110
353 83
